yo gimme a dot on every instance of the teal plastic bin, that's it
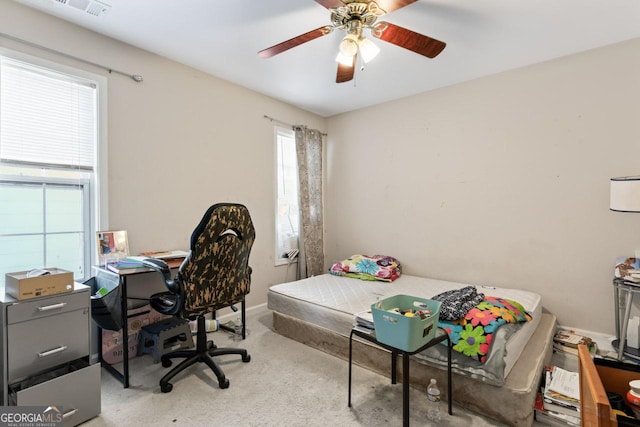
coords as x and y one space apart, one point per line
405 333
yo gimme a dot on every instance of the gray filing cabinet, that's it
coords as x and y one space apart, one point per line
45 352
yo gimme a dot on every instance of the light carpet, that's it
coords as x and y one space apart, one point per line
285 384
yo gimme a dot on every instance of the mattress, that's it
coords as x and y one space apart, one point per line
332 301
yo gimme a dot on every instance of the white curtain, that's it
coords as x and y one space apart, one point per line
311 245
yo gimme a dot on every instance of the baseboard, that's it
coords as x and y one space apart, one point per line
603 340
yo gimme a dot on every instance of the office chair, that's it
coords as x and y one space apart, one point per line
215 274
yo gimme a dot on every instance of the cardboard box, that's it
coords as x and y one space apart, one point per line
19 286
112 351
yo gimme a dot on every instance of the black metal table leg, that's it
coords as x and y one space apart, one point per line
370 337
125 333
394 366
449 379
350 359
405 389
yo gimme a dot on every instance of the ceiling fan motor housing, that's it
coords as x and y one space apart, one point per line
364 13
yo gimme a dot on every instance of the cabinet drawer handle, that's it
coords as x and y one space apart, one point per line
52 306
69 413
54 351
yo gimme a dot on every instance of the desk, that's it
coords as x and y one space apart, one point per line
441 335
123 376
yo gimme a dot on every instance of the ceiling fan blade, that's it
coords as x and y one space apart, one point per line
386 5
296 41
330 4
345 72
407 39
391 5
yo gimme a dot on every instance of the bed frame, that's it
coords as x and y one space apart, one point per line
511 404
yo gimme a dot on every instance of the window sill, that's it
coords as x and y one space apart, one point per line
285 261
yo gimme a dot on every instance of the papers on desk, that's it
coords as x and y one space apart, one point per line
166 254
172 258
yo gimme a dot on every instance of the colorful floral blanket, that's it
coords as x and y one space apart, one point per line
472 335
365 267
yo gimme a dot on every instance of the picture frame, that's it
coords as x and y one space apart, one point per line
112 246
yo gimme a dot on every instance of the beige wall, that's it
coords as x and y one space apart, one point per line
178 142
501 181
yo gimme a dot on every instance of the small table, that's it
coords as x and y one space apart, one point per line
441 335
626 290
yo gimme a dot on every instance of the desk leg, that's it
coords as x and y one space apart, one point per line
350 358
625 324
405 390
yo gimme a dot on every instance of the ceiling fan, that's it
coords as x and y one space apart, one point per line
353 16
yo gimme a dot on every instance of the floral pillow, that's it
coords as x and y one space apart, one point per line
365 267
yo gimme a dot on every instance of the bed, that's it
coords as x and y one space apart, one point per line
319 311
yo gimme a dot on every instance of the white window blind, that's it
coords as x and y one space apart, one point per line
46 117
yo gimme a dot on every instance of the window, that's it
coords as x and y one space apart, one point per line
50 116
287 212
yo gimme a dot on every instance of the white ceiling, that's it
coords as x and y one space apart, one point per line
483 37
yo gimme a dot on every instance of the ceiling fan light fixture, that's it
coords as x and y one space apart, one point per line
349 45
368 49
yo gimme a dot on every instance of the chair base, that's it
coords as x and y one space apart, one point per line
204 352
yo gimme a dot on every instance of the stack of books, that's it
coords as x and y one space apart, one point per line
567 341
364 321
126 263
633 276
558 403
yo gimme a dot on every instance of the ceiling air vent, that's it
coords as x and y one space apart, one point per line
92 7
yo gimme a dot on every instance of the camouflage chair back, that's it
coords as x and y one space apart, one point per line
217 273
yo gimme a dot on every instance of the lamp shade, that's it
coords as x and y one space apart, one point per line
625 194
349 45
368 49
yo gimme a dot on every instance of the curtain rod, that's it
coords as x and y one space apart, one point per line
136 77
287 124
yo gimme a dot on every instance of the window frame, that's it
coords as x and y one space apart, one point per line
278 249
95 188
56 183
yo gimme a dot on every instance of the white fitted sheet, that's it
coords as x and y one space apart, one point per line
332 301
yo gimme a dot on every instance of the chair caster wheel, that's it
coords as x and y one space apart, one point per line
166 363
247 358
224 384
166 387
